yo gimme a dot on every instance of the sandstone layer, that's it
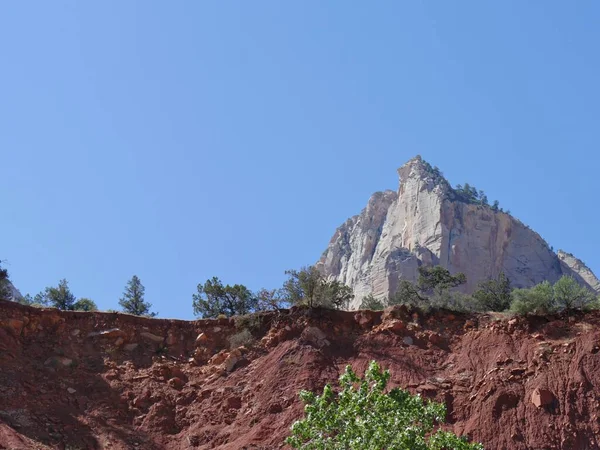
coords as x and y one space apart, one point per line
81 380
423 224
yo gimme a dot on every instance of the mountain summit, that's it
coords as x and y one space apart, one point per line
427 222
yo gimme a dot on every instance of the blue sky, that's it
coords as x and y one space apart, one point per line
184 140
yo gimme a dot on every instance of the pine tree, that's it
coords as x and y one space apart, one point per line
133 299
59 297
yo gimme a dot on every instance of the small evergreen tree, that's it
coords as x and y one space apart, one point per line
336 294
304 286
213 299
133 299
438 279
59 297
493 295
372 303
307 286
407 294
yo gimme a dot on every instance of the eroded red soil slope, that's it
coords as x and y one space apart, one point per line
111 381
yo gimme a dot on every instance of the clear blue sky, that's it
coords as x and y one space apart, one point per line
183 140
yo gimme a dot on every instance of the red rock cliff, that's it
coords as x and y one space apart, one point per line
112 381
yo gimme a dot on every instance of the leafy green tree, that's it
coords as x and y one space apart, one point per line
568 294
493 295
85 304
133 299
213 299
537 299
437 278
364 416
372 303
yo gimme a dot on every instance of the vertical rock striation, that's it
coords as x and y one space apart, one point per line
425 224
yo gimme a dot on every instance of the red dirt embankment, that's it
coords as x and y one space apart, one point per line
73 380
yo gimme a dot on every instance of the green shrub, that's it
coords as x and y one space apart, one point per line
535 300
544 298
372 303
363 416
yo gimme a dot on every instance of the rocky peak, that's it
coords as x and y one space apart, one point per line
428 223
577 268
417 170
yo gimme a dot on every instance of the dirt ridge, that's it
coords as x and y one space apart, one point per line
76 380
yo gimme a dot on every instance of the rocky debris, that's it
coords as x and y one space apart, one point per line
407 340
315 336
542 397
152 337
420 225
112 333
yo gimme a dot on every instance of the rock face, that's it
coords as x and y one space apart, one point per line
14 293
424 224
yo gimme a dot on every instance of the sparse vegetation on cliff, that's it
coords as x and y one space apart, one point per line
60 297
545 298
4 286
133 301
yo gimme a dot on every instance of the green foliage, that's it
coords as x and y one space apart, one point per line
536 300
271 299
544 298
437 278
85 304
5 292
451 300
214 299
304 286
568 294
307 286
336 294
59 297
363 416
493 295
372 303
407 294
133 299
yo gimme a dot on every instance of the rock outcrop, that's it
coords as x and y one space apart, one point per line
425 224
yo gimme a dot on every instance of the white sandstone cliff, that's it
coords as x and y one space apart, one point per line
421 224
